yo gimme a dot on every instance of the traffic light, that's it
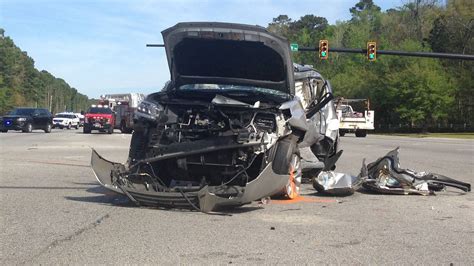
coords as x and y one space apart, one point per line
323 49
371 51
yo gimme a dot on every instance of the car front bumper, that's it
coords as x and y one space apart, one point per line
11 124
265 184
93 126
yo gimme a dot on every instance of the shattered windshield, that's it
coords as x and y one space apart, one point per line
236 90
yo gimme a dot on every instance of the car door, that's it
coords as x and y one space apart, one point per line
36 117
44 118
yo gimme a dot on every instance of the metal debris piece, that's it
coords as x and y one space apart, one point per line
385 176
337 184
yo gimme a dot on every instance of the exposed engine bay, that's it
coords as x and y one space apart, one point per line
223 145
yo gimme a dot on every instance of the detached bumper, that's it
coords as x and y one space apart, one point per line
266 184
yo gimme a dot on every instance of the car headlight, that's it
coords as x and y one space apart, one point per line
21 119
149 110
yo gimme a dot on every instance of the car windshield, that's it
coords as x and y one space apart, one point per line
99 110
65 116
22 111
235 90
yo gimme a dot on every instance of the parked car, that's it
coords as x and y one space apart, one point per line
228 128
27 119
66 120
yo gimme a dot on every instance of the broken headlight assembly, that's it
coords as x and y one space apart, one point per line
148 110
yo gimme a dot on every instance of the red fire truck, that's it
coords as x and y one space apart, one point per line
123 107
99 117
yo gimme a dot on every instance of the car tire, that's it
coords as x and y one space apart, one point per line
4 131
48 128
342 133
28 128
77 126
284 151
361 133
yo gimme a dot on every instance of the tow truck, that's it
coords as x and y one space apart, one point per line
353 121
124 107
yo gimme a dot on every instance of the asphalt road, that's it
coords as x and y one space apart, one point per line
53 211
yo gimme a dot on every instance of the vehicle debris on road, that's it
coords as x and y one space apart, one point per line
336 184
385 176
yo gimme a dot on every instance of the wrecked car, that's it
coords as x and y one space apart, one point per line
228 127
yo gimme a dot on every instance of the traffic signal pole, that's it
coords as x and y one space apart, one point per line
391 52
387 52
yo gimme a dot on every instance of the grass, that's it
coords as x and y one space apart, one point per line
433 135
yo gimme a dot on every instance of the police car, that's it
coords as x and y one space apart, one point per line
66 120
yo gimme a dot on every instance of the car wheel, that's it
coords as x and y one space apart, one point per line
77 126
342 133
5 131
48 128
28 128
292 189
69 126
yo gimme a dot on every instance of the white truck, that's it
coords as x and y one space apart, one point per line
354 121
124 106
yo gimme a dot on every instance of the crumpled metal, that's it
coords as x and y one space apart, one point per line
336 184
385 176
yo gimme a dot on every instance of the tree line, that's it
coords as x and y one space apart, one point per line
21 84
408 91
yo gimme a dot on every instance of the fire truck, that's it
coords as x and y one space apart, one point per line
99 117
123 106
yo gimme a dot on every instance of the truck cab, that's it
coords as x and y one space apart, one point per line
100 118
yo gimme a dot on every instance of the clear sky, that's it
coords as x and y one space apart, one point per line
98 46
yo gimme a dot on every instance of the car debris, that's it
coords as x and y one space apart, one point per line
385 176
228 128
335 184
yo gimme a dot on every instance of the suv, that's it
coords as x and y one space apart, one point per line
66 120
26 120
99 118
228 128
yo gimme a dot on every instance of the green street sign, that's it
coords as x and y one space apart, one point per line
294 47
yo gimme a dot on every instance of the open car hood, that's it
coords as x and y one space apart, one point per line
227 53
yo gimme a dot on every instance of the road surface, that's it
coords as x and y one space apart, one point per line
53 212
